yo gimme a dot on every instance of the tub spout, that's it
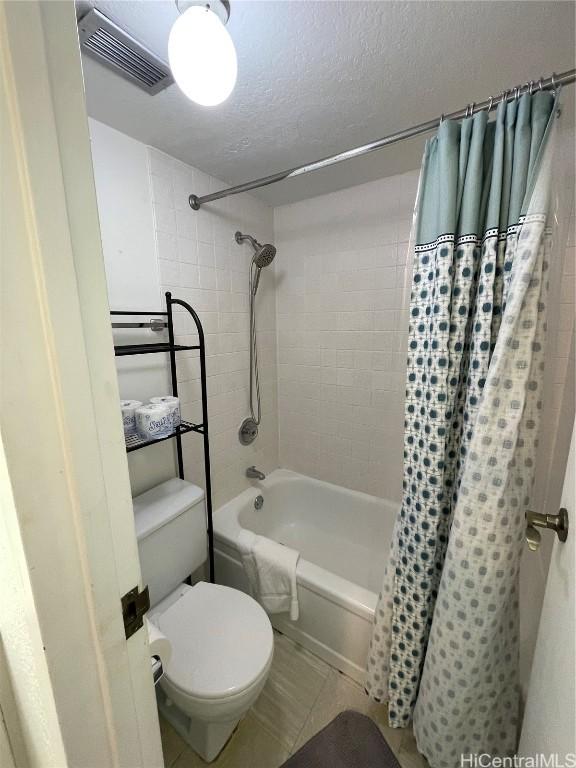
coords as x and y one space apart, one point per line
255 474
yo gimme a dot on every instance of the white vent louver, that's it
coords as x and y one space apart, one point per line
110 45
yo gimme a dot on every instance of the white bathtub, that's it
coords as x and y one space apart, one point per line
343 538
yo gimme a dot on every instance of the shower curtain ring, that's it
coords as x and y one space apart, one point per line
472 108
516 92
490 103
540 84
553 79
530 87
441 118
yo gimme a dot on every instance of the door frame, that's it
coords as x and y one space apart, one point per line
73 690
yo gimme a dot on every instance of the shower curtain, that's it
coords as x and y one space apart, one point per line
444 647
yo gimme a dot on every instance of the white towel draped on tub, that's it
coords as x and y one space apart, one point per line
271 571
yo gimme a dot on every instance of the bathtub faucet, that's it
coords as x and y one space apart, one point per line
255 474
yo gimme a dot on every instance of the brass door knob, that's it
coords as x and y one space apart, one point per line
535 520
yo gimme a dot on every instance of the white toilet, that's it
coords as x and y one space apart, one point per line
222 641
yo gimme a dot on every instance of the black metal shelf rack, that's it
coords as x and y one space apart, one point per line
134 442
147 349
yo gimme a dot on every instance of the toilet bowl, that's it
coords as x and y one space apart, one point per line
221 638
222 646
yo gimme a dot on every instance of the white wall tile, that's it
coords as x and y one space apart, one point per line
341 316
344 273
164 219
332 326
169 273
159 163
200 262
186 224
166 245
186 250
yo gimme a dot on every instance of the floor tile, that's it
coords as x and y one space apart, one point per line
251 746
411 759
189 759
172 743
340 693
295 681
288 651
301 696
408 755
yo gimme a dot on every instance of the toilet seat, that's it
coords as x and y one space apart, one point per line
222 642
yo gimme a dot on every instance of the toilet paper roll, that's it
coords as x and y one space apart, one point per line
154 421
128 408
173 403
159 643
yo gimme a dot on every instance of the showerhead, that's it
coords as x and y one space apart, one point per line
263 254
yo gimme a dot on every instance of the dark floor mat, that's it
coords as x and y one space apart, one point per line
351 740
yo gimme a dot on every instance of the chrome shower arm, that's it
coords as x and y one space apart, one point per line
240 238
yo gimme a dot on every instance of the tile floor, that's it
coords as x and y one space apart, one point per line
301 696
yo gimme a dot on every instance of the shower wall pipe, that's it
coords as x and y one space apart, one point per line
545 84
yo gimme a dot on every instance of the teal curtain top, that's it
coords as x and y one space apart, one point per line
478 175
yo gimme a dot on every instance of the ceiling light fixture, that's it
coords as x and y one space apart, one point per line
201 52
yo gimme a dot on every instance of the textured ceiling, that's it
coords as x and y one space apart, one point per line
317 77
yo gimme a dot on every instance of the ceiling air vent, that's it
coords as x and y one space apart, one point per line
105 41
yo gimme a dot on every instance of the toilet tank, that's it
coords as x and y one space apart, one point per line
171 531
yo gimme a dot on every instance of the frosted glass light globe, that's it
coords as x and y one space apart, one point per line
202 57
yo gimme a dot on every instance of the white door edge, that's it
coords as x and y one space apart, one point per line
83 695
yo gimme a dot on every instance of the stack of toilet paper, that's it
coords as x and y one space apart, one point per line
128 408
153 421
173 404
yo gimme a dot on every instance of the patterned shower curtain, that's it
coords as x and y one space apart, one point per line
444 648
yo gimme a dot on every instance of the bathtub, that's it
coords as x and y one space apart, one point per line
343 538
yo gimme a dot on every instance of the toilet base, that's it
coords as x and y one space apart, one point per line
206 739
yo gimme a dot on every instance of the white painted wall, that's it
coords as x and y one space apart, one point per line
127 225
125 208
559 396
154 242
548 726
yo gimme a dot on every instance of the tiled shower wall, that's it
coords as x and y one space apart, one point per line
331 310
342 301
343 286
342 292
200 262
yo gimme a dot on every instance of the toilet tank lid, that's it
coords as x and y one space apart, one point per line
163 503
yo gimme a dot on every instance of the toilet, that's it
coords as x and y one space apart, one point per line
222 641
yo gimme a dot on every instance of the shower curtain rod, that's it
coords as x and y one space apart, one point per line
544 84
